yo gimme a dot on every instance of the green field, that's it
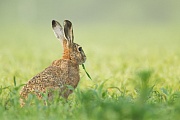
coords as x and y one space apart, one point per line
134 76
135 68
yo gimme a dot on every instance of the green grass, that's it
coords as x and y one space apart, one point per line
135 73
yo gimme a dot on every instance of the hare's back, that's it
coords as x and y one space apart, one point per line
51 77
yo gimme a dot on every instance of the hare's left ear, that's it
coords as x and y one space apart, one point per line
58 30
68 31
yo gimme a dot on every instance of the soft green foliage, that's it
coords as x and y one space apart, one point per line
133 76
133 58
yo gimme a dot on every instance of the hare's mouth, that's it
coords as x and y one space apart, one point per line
83 60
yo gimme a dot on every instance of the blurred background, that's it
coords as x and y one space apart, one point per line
121 33
103 20
129 12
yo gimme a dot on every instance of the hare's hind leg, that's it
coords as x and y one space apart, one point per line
29 89
22 103
23 97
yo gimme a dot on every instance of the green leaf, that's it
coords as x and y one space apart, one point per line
70 87
86 72
14 78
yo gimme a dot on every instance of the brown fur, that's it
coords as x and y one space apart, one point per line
58 75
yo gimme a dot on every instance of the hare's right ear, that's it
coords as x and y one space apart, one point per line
68 31
58 30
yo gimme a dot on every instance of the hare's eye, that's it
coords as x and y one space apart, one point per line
79 49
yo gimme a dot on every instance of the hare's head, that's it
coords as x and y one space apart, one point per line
72 50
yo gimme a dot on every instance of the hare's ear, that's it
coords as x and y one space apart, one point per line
58 30
68 31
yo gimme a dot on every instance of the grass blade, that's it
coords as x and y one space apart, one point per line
14 78
86 72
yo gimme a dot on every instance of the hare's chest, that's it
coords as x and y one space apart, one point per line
67 72
73 77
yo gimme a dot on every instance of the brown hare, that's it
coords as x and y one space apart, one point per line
61 73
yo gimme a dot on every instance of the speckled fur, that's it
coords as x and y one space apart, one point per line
58 75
